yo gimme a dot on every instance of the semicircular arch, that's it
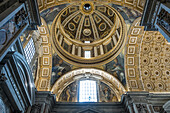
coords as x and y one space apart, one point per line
101 75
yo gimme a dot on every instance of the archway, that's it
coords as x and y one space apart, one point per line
88 73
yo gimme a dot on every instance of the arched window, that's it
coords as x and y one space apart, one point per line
87 91
29 50
87 54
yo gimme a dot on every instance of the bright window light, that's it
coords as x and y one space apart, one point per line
88 91
86 41
87 54
29 50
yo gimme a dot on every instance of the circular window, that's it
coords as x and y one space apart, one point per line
87 6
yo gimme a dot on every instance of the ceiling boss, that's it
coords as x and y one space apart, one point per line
88 33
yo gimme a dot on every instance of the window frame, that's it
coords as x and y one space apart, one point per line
29 50
87 56
97 88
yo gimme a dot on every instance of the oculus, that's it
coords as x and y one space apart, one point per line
87 6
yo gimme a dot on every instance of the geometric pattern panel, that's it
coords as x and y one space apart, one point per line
43 78
132 50
155 62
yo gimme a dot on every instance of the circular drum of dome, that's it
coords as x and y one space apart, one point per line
88 34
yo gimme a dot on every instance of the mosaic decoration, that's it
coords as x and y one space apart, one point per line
105 93
146 63
59 68
50 13
128 14
69 94
114 85
116 68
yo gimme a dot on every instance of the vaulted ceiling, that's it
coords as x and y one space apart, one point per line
137 5
146 53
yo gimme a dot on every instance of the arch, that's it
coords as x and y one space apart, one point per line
42 81
103 76
23 66
132 71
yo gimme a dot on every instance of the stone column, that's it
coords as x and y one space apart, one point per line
145 102
43 102
73 49
61 39
117 33
101 50
114 40
95 52
79 51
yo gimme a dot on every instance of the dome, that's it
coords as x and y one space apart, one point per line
90 28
